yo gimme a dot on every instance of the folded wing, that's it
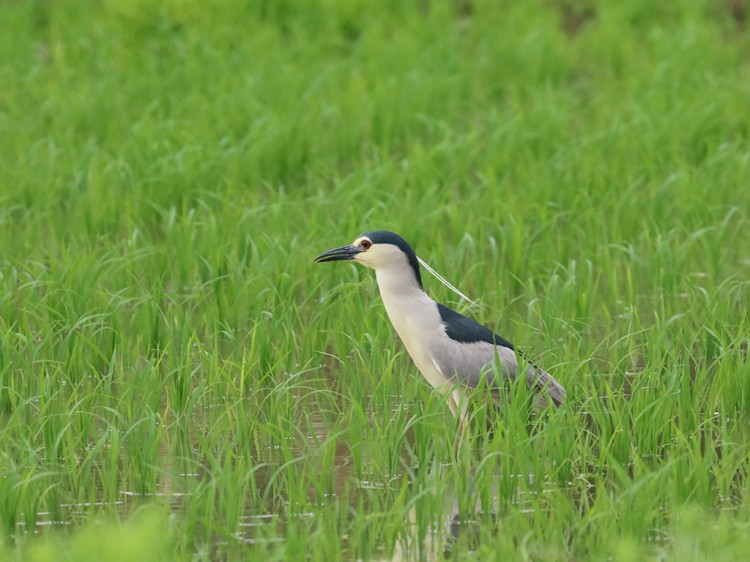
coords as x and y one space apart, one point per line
471 351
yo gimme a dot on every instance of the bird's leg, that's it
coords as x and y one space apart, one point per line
462 408
453 405
458 403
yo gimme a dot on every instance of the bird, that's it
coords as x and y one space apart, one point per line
453 352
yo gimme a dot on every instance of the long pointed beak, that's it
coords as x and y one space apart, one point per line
338 254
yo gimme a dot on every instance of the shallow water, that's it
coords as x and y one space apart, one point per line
264 524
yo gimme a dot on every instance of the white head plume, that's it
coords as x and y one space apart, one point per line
445 282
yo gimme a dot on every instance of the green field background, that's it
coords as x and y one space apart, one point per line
179 381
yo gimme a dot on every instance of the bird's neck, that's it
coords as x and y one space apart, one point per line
406 303
412 312
399 283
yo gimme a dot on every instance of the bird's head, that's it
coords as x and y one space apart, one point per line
378 250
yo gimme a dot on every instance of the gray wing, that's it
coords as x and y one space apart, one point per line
470 351
468 362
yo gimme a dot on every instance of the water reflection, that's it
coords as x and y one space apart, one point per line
436 544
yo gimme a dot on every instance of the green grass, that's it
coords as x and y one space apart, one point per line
178 381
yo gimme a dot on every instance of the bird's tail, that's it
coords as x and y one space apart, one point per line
545 386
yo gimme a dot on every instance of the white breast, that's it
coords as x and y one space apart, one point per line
416 319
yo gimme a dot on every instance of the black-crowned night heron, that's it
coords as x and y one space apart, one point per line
452 351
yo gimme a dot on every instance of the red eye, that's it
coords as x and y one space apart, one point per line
366 244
